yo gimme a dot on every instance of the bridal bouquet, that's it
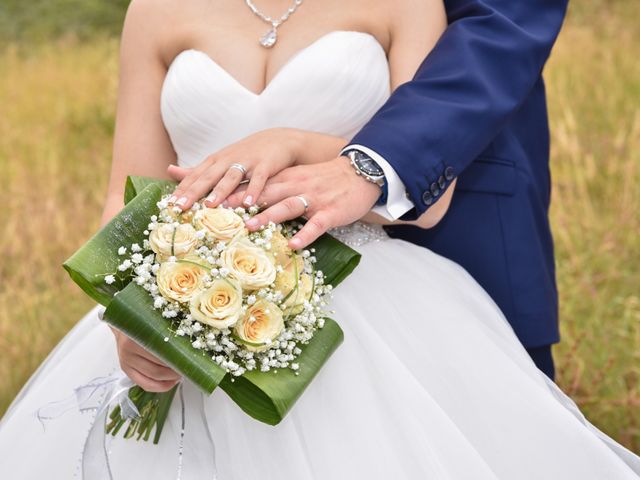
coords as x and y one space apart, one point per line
224 307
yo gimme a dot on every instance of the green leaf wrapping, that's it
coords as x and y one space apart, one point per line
335 259
132 312
266 396
135 185
99 256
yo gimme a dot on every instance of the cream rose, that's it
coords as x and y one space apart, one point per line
292 278
295 303
280 248
219 305
167 240
248 264
224 224
261 324
291 270
180 280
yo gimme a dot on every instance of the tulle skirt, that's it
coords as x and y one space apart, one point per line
430 382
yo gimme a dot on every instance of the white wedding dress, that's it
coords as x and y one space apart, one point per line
430 383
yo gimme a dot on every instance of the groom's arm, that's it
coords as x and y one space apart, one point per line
478 74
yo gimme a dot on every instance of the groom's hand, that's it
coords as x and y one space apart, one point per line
334 193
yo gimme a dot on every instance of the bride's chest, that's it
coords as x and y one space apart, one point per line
333 86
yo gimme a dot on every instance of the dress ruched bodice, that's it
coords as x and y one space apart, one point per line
333 86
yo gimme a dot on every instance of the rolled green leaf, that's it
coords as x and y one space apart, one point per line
98 257
335 259
132 312
135 185
268 396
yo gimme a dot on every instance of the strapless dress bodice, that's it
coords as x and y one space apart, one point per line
333 86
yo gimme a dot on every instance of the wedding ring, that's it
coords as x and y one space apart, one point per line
239 166
304 202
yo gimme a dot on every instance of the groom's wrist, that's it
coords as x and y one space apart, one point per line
369 192
395 201
367 168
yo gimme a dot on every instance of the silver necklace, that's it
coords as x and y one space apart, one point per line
270 38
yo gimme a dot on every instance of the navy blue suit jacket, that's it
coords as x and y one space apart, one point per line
476 110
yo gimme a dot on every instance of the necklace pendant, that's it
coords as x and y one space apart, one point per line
269 39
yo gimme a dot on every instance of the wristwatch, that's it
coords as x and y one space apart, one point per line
366 167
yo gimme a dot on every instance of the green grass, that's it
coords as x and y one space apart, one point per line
56 130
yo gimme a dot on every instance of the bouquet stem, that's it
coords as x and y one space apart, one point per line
153 408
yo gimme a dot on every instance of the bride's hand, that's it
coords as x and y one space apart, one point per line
262 155
143 368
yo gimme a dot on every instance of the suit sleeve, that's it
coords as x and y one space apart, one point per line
478 74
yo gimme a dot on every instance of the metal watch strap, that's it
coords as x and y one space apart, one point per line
351 155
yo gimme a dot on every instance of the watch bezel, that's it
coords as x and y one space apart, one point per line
357 157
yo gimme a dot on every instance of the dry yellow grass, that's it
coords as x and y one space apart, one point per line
594 89
55 141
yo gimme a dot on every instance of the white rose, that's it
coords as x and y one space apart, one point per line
223 223
219 305
167 240
248 264
261 324
180 280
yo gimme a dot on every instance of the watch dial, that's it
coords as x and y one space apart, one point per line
370 167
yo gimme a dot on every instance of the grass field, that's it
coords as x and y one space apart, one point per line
57 104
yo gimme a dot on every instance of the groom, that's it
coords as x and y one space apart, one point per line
475 111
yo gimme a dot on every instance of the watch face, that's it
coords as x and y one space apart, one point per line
368 166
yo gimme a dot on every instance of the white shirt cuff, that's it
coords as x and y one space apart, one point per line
397 202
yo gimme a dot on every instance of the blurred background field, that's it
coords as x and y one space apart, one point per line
58 80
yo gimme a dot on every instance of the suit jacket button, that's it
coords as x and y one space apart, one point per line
448 173
442 182
435 189
427 198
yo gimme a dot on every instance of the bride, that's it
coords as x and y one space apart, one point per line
430 382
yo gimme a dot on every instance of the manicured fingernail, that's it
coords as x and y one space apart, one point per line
172 199
181 201
252 223
248 201
295 243
212 197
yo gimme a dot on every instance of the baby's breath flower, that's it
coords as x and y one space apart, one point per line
126 265
159 302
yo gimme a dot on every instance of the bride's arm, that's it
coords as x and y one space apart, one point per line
141 144
141 147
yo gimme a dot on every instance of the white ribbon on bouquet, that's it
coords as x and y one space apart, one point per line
102 393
